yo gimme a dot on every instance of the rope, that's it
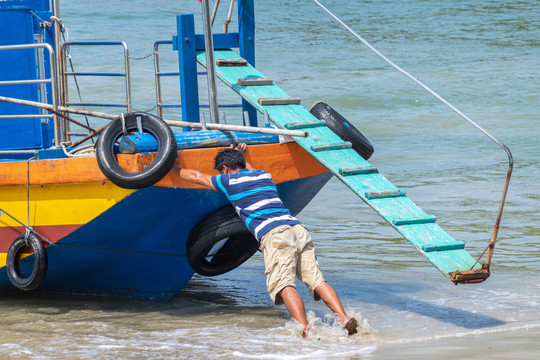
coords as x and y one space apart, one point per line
82 151
28 229
407 74
453 108
28 190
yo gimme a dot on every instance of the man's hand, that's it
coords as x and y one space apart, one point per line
242 147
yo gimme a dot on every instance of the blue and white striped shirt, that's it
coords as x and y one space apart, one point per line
256 200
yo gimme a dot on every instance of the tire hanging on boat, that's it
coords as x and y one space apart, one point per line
220 243
13 266
343 128
162 164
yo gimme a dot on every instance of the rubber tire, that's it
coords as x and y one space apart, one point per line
223 223
162 164
343 128
13 262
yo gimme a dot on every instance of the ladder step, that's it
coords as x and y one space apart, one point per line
279 101
416 220
360 170
305 125
335 146
255 81
384 194
456 245
231 62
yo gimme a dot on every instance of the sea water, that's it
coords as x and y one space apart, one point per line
482 56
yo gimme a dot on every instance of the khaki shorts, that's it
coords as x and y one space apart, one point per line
289 252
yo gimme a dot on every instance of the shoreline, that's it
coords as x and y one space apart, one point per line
508 343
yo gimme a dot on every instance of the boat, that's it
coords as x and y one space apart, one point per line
111 217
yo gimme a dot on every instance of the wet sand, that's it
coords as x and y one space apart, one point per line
523 343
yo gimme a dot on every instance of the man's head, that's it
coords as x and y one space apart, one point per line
229 160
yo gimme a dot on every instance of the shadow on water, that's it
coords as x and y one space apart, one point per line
207 297
198 298
393 295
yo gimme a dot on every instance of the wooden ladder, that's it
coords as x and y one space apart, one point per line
391 203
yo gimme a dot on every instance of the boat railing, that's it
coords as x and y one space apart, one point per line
158 74
42 81
125 74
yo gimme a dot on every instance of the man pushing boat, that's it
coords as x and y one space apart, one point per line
285 243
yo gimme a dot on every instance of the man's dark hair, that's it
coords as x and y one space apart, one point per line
232 158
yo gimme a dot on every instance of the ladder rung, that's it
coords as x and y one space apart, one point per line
231 62
456 245
361 170
335 146
279 101
416 220
384 194
255 81
305 125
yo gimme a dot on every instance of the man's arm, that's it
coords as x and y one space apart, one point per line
194 176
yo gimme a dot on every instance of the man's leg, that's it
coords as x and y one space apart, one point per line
331 299
294 304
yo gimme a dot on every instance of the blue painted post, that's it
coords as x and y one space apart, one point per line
246 28
187 63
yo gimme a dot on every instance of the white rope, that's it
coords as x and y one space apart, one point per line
407 74
81 151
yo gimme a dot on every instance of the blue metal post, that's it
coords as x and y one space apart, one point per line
187 63
246 28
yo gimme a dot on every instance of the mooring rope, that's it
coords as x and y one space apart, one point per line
27 227
453 108
407 74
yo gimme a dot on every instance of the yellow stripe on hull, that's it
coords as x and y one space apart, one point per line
58 204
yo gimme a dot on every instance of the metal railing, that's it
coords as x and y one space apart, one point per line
126 74
158 75
53 80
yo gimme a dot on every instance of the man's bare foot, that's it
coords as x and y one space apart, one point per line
305 332
351 326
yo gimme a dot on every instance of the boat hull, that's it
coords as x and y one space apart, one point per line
119 242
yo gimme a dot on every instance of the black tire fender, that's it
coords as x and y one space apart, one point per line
219 243
13 262
343 128
162 164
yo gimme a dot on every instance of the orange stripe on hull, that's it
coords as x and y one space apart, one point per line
285 162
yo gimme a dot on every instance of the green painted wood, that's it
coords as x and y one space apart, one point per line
331 146
304 125
445 253
444 247
415 220
279 101
358 170
254 81
384 194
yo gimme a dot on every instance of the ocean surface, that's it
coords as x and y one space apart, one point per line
481 56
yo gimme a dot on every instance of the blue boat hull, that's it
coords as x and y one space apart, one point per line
137 248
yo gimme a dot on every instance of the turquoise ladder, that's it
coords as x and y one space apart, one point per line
419 228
